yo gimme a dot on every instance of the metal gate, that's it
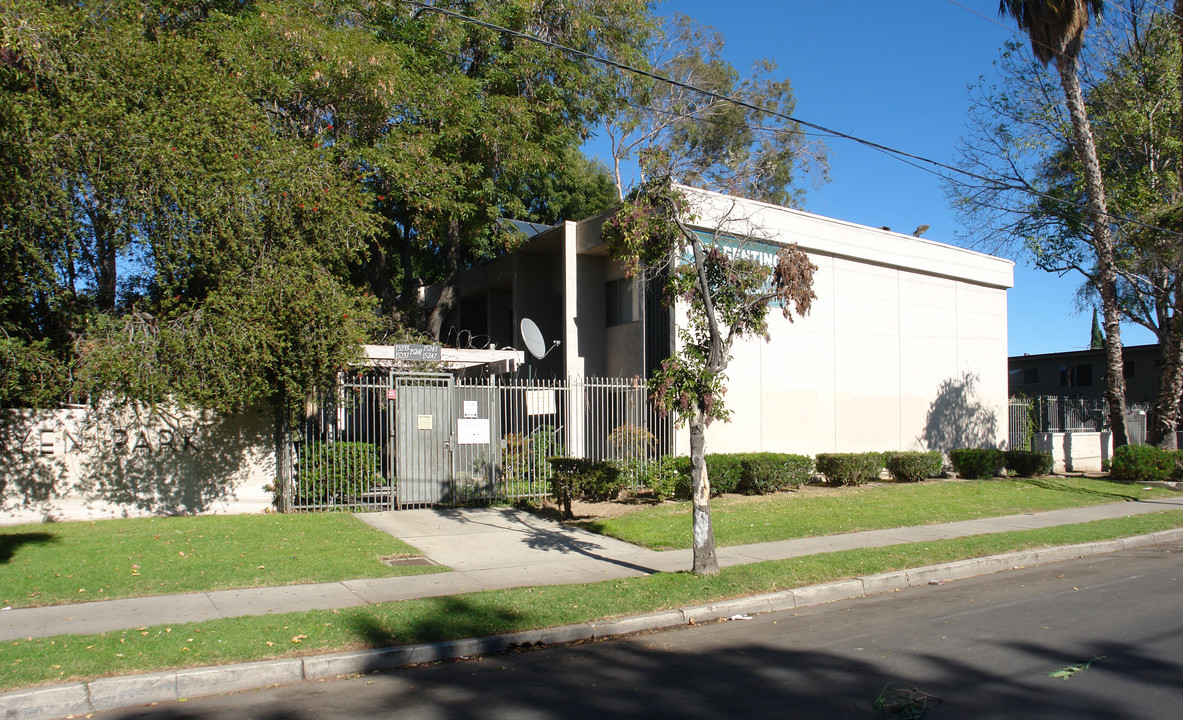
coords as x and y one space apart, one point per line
423 421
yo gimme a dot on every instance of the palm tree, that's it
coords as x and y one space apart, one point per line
1056 29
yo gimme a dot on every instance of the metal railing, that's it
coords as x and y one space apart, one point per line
1067 414
383 440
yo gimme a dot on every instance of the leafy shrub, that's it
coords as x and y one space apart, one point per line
724 470
661 476
631 441
849 468
524 458
337 471
1142 463
975 463
914 466
1028 463
764 473
584 479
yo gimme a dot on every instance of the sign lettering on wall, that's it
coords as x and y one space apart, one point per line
35 440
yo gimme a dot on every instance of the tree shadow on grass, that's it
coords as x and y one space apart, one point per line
449 618
10 542
1053 484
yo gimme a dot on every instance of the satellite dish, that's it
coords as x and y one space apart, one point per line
534 340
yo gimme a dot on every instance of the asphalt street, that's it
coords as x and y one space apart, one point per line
986 647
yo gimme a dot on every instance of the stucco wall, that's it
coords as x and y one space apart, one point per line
77 464
905 347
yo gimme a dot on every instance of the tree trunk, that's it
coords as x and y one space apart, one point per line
705 560
1102 241
283 458
106 270
1164 418
447 300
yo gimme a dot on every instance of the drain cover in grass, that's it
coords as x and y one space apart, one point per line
406 561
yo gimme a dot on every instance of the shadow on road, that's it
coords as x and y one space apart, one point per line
643 679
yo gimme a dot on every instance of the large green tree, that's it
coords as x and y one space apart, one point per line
166 237
486 111
1056 29
1022 139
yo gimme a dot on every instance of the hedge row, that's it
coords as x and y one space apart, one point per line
1142 463
764 473
743 473
980 463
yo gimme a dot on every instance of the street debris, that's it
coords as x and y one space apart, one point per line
1071 670
905 701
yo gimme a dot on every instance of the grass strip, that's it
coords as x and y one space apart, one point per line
785 516
107 559
74 657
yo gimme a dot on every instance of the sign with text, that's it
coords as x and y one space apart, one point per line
417 353
472 431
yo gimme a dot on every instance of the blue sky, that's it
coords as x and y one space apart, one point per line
896 74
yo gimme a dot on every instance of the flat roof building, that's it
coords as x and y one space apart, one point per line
904 348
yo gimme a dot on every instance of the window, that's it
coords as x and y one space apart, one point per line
1076 375
623 303
1024 376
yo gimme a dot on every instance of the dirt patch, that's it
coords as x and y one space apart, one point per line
625 504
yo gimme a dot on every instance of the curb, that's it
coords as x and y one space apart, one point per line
81 698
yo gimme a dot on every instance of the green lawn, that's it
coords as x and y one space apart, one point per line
71 657
66 562
743 520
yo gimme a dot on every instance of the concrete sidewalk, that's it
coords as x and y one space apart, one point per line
493 549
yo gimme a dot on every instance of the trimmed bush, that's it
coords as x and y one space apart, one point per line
593 480
914 466
976 463
337 472
1028 463
849 468
764 473
1141 463
745 473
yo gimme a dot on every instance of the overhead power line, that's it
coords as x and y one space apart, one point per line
896 153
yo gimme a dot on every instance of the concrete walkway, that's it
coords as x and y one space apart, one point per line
498 548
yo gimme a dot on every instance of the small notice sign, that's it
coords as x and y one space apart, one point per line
470 408
391 394
470 431
540 402
425 422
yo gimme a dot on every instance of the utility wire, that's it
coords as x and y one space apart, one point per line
890 151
